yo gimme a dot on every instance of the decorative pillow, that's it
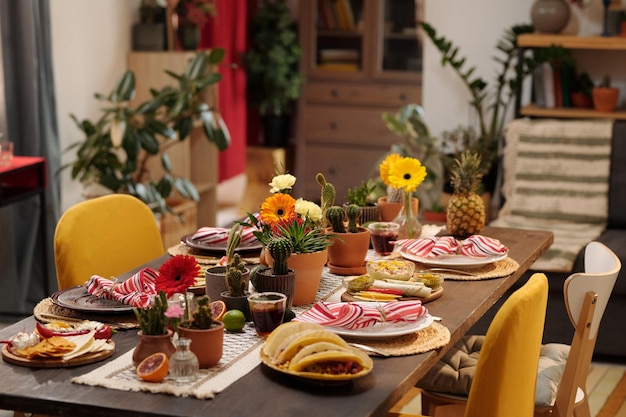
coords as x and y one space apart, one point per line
453 374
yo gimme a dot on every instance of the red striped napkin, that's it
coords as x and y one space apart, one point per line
475 245
353 316
137 291
219 235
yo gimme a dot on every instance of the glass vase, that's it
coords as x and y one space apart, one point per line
410 228
183 363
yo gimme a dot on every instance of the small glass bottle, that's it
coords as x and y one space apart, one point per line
183 363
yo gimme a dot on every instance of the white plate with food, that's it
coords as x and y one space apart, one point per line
385 330
456 261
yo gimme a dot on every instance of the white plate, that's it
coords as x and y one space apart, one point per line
383 330
454 260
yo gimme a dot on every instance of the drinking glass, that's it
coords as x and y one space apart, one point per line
382 234
267 310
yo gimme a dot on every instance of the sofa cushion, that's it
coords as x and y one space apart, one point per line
556 177
617 179
453 374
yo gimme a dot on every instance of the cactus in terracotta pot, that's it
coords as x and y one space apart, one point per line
328 194
335 215
280 248
202 317
353 212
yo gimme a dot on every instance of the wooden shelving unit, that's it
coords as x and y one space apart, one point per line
596 43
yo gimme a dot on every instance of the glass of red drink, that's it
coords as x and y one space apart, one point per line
267 310
382 235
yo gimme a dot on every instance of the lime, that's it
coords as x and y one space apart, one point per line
234 320
289 315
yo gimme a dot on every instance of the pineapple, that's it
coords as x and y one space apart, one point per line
466 210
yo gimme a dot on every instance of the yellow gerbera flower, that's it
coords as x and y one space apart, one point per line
386 165
278 207
406 173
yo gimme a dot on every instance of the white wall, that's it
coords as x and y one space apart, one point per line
90 41
476 26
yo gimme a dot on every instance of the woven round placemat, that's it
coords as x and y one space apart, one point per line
182 249
498 269
46 311
432 337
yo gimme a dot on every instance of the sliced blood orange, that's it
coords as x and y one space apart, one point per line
218 308
154 368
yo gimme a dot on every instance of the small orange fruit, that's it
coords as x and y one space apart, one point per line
218 308
154 368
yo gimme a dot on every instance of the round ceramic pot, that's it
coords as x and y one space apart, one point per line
149 344
215 281
207 344
266 281
389 211
549 16
605 98
349 249
239 302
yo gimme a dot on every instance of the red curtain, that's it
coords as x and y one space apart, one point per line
228 30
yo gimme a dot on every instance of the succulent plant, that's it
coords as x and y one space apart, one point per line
328 194
202 317
335 215
235 277
353 212
234 240
280 248
152 320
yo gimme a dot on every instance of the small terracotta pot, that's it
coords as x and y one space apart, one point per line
389 211
207 344
149 344
349 249
434 216
622 29
581 100
605 98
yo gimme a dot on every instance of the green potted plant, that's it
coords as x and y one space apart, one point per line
117 147
277 277
154 335
361 197
346 256
216 280
205 333
271 64
582 91
236 295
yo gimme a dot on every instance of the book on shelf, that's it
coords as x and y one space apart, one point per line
548 85
332 66
351 55
336 15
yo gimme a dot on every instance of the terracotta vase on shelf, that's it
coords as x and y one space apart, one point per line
605 98
549 16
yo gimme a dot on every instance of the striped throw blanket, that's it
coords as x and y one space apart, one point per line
556 178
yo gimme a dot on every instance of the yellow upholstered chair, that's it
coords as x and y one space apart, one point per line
563 369
504 381
104 236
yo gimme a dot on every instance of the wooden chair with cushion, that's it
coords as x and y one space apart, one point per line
563 369
104 236
504 381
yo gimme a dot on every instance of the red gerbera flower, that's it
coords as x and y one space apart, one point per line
177 274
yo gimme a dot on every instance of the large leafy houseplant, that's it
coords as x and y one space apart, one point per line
272 61
117 147
491 105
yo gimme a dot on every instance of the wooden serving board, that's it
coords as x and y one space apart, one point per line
10 357
433 296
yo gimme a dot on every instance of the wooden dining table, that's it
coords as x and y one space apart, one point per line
263 392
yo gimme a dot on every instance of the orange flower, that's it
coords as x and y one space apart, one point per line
278 207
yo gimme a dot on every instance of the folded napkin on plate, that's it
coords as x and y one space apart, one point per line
217 235
136 291
353 316
475 245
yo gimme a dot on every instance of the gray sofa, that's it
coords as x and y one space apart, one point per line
611 344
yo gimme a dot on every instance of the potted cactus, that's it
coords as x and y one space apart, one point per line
215 277
278 277
346 256
205 333
236 296
361 197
